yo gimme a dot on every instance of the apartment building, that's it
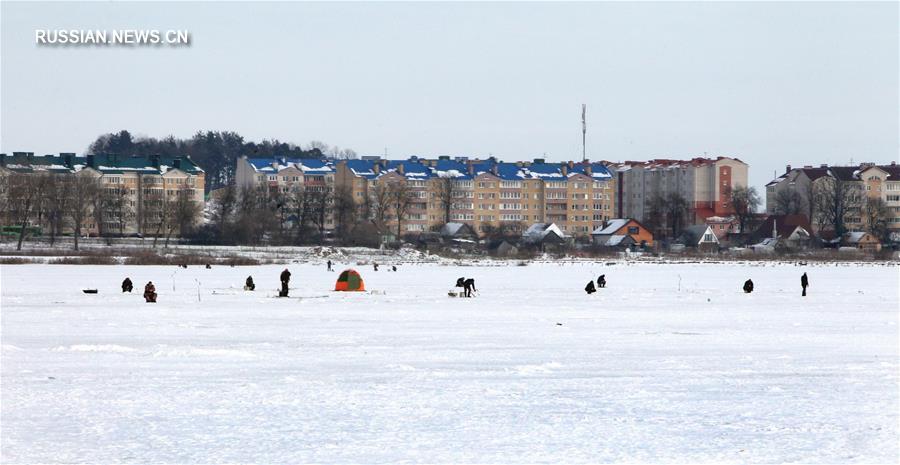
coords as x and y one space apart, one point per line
289 178
794 190
704 183
488 194
137 191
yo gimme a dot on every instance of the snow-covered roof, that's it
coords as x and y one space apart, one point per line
854 237
538 231
615 240
452 229
611 227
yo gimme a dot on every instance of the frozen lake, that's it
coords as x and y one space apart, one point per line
532 370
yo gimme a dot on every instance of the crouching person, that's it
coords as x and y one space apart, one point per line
127 286
590 289
748 286
150 292
249 285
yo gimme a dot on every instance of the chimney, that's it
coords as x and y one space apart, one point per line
774 228
588 170
90 161
400 168
787 169
376 167
154 160
30 156
565 169
470 168
495 170
67 159
176 163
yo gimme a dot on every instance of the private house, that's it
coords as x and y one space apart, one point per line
862 241
622 232
700 237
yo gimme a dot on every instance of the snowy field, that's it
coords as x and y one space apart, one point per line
670 363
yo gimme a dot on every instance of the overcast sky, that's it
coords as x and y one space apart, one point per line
769 83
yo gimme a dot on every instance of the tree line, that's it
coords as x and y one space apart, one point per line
67 201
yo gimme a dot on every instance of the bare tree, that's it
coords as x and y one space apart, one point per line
84 190
345 211
789 202
59 193
223 209
745 201
380 202
400 197
23 197
298 208
448 194
877 215
319 202
182 213
834 199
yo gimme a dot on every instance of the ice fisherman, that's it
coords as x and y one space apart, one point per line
285 279
804 283
329 265
375 265
249 286
748 286
590 289
601 281
150 292
468 287
127 285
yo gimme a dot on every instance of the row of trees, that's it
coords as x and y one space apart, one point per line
66 202
214 151
830 204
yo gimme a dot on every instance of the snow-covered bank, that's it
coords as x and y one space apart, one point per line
668 364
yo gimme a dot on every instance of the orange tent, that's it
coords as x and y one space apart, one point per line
350 280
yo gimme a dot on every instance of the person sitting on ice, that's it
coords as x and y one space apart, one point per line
748 286
394 268
249 286
601 281
468 287
127 286
590 289
208 266
150 292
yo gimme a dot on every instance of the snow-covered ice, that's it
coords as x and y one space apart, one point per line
670 363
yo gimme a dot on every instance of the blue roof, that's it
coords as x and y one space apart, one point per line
362 168
414 168
307 165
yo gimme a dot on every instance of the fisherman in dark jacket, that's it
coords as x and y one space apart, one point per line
601 281
804 282
249 286
468 287
127 286
460 282
150 292
329 265
590 289
285 279
748 286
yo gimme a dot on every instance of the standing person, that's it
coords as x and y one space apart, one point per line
249 285
375 265
285 279
329 265
748 286
150 292
127 286
590 289
601 281
804 283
